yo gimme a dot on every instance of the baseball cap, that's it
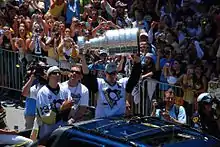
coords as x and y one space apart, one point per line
111 67
143 34
204 97
103 52
53 69
150 55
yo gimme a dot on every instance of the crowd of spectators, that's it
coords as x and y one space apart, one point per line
179 39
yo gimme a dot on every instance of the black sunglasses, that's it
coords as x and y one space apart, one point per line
77 72
112 73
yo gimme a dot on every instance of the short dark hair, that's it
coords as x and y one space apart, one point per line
79 66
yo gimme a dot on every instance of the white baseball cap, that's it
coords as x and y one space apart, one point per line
53 69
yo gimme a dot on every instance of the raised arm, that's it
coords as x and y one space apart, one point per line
135 75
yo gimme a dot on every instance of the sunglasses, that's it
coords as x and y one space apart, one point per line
55 73
112 73
77 72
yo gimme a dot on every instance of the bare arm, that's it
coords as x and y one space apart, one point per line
120 66
149 74
27 86
84 65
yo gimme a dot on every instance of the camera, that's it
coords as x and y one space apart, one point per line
37 31
37 69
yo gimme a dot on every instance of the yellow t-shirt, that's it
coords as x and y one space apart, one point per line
52 54
188 93
57 10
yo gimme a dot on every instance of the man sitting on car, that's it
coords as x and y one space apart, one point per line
168 110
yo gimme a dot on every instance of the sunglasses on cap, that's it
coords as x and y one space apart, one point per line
75 71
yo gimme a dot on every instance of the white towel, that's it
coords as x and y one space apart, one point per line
199 50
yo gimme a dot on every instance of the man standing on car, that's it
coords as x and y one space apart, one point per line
111 99
53 104
79 92
168 110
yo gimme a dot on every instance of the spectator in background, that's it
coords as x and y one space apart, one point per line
148 68
67 49
169 110
6 40
72 10
58 9
37 45
121 19
98 67
187 82
201 83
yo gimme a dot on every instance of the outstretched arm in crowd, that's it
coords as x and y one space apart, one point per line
109 9
134 77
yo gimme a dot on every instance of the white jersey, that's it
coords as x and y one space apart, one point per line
48 100
79 94
34 90
111 99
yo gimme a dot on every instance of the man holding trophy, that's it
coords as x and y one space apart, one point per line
111 94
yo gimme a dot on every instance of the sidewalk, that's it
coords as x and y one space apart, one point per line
15 117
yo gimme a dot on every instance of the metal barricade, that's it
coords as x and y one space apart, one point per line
13 68
11 73
153 89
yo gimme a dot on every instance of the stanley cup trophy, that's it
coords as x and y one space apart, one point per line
114 41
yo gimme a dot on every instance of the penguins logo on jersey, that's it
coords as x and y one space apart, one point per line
112 96
76 98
